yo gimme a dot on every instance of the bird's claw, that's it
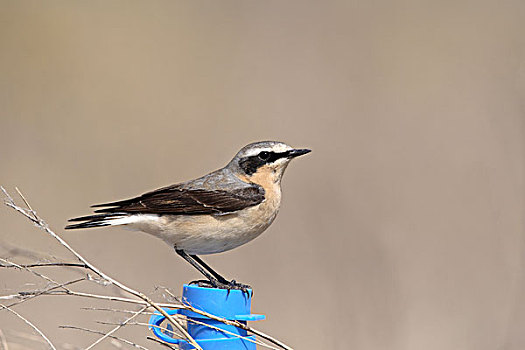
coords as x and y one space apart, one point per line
203 283
233 284
228 285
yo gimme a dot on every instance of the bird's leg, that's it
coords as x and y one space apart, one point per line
210 270
215 279
232 284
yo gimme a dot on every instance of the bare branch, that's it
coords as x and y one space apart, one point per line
189 319
112 298
102 333
29 270
26 203
11 265
33 294
30 324
117 328
11 203
113 310
164 329
169 346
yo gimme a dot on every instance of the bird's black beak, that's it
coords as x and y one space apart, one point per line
298 152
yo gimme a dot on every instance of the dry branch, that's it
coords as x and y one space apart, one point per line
30 325
114 310
117 327
129 342
24 296
158 341
43 265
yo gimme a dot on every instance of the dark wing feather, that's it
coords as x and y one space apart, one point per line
177 200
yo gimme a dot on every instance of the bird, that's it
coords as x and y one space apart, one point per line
215 213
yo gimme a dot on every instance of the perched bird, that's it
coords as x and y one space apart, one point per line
214 213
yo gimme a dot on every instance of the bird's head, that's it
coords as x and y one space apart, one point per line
264 161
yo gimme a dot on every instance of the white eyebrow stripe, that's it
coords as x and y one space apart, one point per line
279 148
256 151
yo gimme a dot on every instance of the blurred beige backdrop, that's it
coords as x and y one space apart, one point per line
403 229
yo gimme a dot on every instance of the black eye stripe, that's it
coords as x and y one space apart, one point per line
275 156
250 164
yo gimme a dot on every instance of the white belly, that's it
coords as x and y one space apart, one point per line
209 234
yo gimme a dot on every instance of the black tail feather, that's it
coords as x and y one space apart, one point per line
88 224
90 221
114 204
91 217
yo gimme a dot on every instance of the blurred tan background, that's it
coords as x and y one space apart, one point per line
403 229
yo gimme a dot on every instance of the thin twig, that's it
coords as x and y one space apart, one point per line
142 324
3 341
117 328
27 269
32 216
26 203
169 346
102 333
189 319
113 310
9 201
112 298
33 294
26 294
44 265
243 326
30 324
44 277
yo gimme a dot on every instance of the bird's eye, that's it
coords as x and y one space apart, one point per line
264 155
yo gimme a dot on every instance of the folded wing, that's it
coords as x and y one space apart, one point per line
176 200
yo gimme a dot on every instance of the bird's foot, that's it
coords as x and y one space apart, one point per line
233 284
228 285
